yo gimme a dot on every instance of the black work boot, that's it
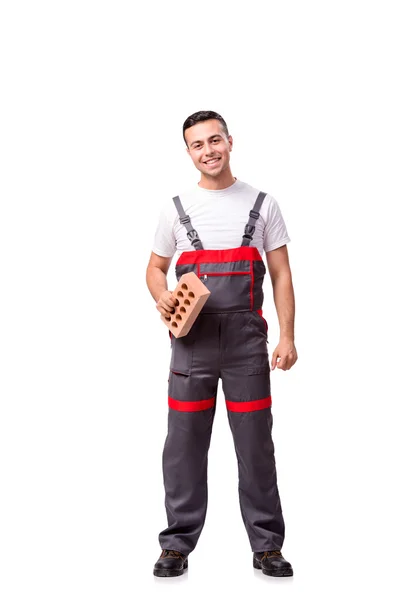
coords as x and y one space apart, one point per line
170 564
272 563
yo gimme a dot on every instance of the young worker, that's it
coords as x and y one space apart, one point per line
220 229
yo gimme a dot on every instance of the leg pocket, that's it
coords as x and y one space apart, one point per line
181 355
259 368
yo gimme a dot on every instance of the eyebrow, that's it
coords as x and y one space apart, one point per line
210 138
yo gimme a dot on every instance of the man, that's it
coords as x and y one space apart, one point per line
220 230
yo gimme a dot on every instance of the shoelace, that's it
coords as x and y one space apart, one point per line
173 553
270 552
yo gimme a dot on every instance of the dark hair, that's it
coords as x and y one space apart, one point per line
203 115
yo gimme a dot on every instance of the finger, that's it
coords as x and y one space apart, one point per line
291 362
274 359
166 317
291 359
170 301
283 363
169 307
165 310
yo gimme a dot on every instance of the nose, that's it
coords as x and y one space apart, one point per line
207 148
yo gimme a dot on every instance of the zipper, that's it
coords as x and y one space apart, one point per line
222 274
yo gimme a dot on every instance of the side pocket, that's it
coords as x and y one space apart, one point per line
266 327
181 355
264 322
257 350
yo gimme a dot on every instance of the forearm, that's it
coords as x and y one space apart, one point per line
156 282
285 305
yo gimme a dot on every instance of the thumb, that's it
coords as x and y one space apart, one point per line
274 360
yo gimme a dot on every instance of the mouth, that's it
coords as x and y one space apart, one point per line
212 161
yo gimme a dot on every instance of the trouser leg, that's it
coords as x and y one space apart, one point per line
258 490
192 393
246 384
185 477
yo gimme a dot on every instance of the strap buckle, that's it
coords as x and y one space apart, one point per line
254 214
184 219
249 231
193 236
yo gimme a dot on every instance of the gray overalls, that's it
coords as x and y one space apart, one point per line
229 341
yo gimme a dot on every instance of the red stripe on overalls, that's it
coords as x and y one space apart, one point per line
249 406
195 406
251 285
220 256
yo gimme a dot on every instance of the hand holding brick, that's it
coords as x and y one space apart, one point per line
191 294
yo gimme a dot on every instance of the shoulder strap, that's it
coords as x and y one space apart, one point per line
253 216
185 220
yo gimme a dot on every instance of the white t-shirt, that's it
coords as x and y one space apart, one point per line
219 217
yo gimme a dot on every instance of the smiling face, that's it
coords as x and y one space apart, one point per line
209 148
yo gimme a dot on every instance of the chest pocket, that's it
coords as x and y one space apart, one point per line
230 285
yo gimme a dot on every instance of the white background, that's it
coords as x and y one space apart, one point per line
93 99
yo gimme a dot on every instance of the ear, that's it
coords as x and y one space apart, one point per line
230 140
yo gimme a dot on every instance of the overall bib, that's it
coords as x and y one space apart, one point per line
229 341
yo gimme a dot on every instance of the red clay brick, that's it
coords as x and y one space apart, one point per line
191 294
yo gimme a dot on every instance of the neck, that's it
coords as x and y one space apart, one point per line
224 180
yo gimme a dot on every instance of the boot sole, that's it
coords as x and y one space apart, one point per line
284 572
170 572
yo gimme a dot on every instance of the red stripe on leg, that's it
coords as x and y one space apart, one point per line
249 406
195 406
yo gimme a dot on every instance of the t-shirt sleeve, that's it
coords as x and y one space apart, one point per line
275 233
164 243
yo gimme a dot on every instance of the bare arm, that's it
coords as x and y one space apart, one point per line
156 279
281 279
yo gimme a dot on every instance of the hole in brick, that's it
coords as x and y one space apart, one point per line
174 324
184 286
180 294
191 295
187 302
179 317
167 318
182 309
